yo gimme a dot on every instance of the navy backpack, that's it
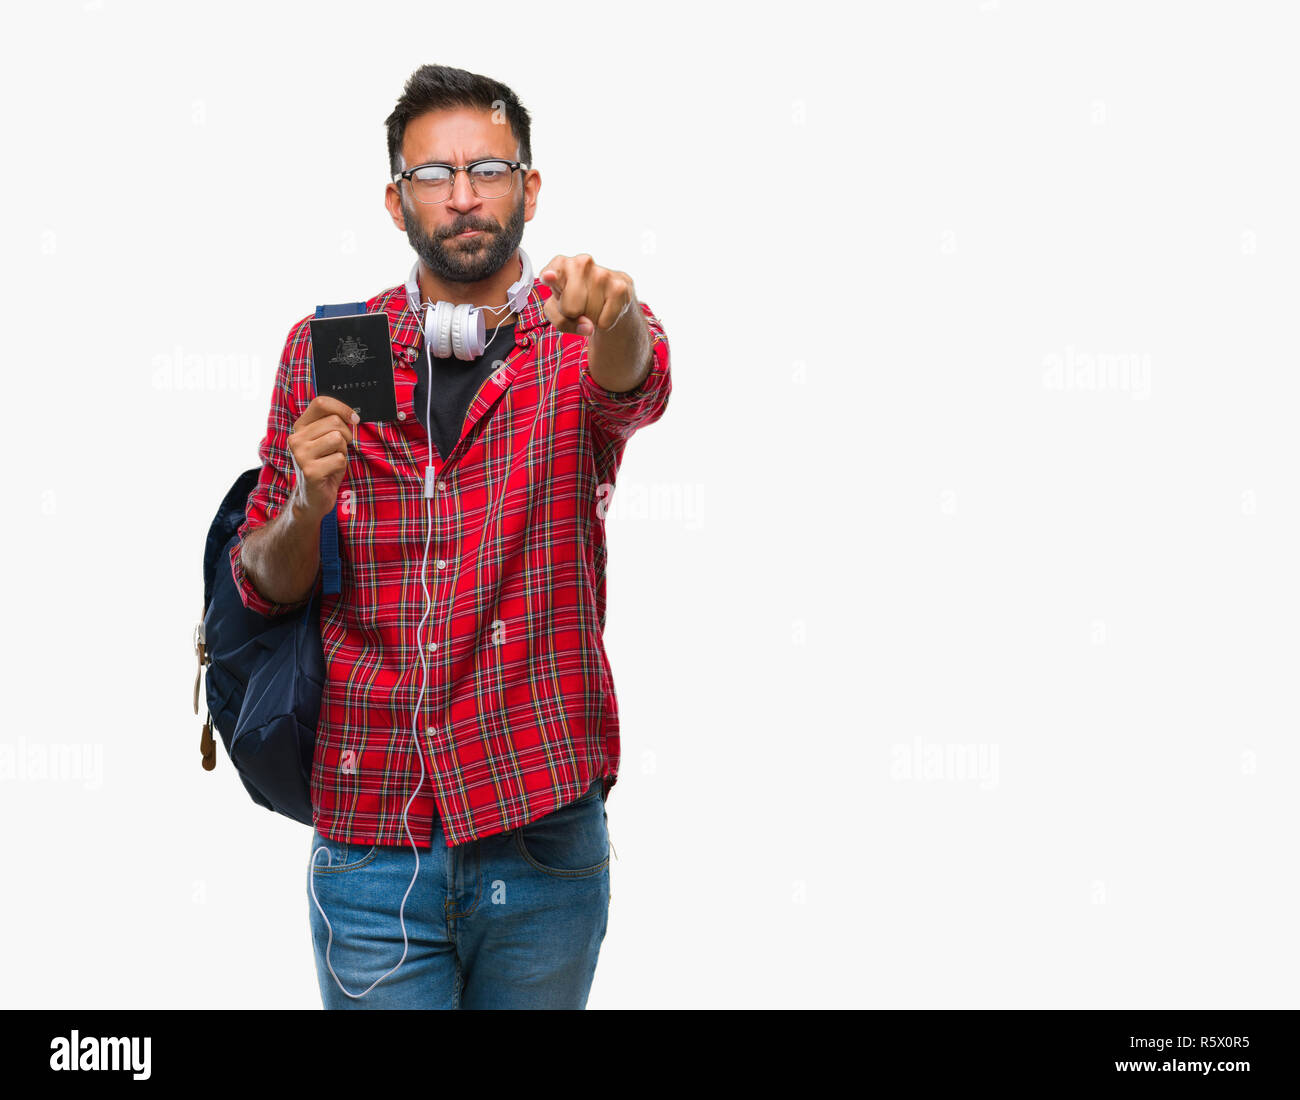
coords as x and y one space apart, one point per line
265 675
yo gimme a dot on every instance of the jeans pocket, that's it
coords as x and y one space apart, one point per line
334 857
570 842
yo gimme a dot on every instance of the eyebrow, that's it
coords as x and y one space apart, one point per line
481 156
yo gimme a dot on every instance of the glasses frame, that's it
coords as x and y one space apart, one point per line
515 165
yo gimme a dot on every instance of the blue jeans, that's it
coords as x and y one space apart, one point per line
513 920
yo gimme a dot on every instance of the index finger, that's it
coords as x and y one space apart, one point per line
555 268
322 405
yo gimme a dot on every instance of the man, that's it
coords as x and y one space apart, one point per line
468 739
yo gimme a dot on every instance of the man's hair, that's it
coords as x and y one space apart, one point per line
437 87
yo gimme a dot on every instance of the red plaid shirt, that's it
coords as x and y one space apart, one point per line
518 716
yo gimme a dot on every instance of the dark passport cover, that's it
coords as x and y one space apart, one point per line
352 359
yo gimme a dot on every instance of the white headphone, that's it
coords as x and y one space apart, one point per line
461 330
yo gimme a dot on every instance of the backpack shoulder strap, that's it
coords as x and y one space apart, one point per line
331 565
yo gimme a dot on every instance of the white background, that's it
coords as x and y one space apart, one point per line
884 528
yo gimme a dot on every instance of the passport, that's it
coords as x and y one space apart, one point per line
352 359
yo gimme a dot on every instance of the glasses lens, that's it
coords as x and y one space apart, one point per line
432 183
491 179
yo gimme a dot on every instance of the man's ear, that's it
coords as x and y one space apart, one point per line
396 211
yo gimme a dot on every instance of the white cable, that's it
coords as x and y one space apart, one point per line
424 683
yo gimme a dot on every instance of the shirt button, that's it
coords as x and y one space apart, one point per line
442 485
431 731
433 646
442 564
401 415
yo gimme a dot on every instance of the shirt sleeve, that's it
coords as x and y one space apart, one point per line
275 480
623 413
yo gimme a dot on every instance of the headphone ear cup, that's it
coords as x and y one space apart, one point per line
458 321
475 333
467 332
455 330
439 338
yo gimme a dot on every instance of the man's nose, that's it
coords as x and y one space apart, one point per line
462 194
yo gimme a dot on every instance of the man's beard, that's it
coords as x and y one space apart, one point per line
467 261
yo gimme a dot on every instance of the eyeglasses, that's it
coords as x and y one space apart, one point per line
490 179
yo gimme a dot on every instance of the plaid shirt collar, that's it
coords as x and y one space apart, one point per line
407 336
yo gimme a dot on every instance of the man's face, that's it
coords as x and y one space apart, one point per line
459 136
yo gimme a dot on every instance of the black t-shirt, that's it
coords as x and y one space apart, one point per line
455 382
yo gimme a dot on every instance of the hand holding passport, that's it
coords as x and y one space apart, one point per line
352 359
